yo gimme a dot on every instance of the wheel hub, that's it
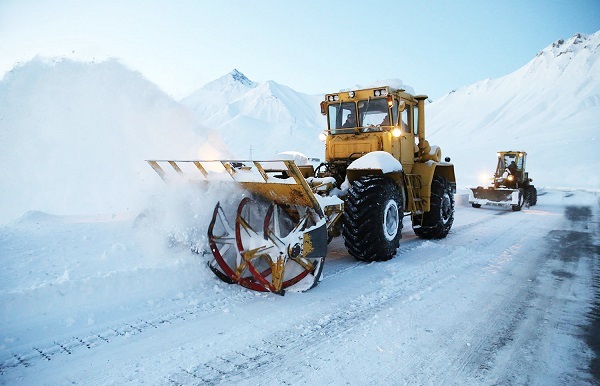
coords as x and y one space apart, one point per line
391 220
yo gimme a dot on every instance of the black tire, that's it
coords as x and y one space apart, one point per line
533 196
476 205
372 221
518 207
436 223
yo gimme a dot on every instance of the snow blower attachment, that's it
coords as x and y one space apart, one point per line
511 186
378 167
278 238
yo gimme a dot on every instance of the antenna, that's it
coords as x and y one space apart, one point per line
250 152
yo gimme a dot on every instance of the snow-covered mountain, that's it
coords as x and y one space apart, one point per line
549 108
74 137
259 120
216 95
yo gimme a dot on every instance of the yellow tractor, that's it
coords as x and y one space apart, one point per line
511 185
378 167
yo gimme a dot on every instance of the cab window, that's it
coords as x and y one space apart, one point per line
340 116
373 112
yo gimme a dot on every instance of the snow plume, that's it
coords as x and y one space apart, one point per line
74 137
181 212
549 108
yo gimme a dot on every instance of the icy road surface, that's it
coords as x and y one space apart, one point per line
508 298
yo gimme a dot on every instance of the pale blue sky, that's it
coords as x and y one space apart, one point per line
311 46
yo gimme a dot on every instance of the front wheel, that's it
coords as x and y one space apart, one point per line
372 221
436 223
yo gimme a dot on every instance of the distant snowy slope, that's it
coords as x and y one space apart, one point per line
216 95
74 137
259 119
549 108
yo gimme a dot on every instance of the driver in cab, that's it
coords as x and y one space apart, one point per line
350 121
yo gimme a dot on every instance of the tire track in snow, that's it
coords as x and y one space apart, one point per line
350 315
28 356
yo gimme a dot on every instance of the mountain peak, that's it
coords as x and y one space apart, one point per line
231 84
241 78
572 45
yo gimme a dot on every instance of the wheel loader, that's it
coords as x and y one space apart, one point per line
510 186
378 167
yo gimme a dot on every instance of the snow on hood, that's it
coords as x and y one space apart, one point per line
377 160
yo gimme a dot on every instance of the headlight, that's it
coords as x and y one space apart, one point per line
351 94
323 137
396 132
381 92
510 178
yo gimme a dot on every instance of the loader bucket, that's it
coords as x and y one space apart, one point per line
277 240
494 196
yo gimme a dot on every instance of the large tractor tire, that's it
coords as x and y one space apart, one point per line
436 223
372 221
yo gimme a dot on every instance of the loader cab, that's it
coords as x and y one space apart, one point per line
511 167
362 116
510 161
375 119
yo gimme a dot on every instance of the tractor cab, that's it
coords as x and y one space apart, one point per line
362 111
510 170
374 119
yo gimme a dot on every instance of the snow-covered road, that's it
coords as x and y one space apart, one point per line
507 298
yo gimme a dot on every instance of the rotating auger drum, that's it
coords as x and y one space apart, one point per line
268 252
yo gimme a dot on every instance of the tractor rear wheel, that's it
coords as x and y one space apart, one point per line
372 221
436 223
532 195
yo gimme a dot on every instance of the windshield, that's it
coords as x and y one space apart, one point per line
506 161
373 112
343 117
